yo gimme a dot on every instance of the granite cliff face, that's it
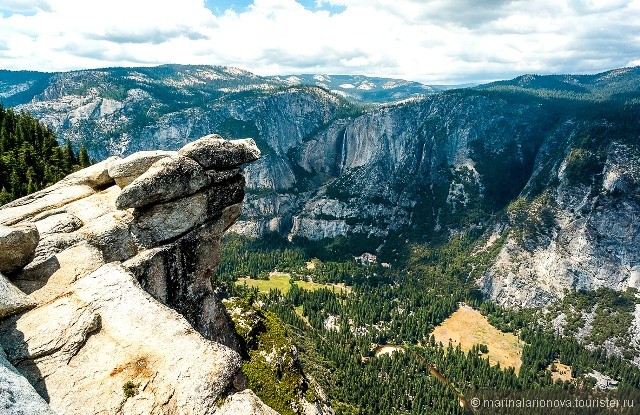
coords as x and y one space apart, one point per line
121 317
546 162
371 174
578 235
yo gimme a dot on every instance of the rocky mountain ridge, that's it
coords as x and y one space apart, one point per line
523 160
365 89
21 87
120 313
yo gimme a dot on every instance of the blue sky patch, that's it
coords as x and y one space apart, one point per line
311 5
8 12
218 7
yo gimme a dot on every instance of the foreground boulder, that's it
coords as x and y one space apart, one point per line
214 152
167 179
125 320
128 169
245 403
105 333
17 246
12 300
17 396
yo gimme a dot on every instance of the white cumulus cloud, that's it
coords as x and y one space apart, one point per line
426 40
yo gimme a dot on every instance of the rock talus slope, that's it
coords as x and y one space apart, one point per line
120 315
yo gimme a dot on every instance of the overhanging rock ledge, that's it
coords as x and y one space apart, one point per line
113 312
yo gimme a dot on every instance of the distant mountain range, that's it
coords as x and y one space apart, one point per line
546 165
366 89
603 85
20 87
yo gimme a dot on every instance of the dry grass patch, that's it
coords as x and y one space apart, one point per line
275 281
560 371
467 327
280 281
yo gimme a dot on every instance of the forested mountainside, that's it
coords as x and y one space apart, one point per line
550 163
392 340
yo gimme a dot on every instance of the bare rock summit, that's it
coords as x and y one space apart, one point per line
214 152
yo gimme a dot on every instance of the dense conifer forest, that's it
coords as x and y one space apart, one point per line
30 157
401 306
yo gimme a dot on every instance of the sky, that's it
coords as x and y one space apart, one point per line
430 41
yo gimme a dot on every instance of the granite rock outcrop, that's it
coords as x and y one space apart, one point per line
109 308
17 246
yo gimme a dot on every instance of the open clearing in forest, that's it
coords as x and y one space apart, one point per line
388 349
468 327
562 372
280 281
275 282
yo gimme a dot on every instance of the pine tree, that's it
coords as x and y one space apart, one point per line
5 196
69 157
83 157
